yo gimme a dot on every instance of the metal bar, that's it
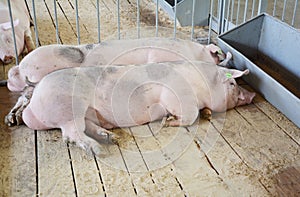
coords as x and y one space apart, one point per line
13 31
245 11
35 25
210 21
98 21
56 23
262 6
283 11
294 14
118 18
238 12
274 8
223 15
193 20
156 19
138 18
232 10
253 8
175 19
77 22
227 17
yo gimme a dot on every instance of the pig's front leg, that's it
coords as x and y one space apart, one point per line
28 41
14 117
100 134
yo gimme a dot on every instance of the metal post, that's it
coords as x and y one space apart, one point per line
210 21
253 8
175 19
56 23
118 16
274 8
156 19
35 25
283 11
295 11
77 22
245 11
238 12
13 31
138 18
98 21
193 20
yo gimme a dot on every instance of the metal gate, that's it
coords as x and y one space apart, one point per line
219 15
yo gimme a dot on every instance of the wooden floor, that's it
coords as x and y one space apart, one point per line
248 151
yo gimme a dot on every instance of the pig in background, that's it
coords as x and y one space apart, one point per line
85 102
21 21
49 58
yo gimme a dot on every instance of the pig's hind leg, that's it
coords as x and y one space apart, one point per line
73 131
100 134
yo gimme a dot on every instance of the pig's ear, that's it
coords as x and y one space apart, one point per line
7 25
233 73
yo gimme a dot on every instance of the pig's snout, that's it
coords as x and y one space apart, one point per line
245 97
7 59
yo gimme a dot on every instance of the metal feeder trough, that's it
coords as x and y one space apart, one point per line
270 49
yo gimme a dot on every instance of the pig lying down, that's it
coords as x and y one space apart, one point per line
49 58
53 57
21 22
90 100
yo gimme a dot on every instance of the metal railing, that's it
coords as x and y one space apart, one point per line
223 15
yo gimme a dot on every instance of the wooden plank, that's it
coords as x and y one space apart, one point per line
239 178
161 177
259 142
282 121
17 150
114 174
54 169
17 162
86 173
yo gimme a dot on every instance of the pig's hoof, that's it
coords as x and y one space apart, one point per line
107 137
10 120
206 114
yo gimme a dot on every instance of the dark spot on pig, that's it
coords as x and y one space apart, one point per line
110 69
158 71
72 54
89 46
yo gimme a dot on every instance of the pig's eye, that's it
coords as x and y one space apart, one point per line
8 41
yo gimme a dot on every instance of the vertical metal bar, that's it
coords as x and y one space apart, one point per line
35 25
156 19
227 17
56 23
245 11
262 6
77 22
253 8
295 12
223 15
193 20
118 18
138 18
175 19
238 12
13 31
210 21
274 8
232 10
98 21
283 11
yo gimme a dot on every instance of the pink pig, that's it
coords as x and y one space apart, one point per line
89 100
21 21
48 58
